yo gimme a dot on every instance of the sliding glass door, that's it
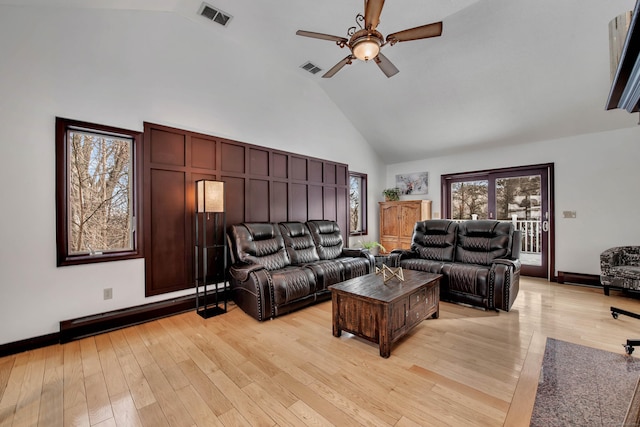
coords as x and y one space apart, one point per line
520 195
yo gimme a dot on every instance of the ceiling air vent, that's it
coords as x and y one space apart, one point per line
216 15
312 68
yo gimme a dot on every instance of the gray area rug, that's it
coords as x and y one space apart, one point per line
583 386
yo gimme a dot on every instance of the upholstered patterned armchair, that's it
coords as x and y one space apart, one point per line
620 268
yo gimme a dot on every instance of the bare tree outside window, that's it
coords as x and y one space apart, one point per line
357 203
469 197
96 192
99 192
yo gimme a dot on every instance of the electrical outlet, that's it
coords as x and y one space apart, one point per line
436 215
568 214
108 293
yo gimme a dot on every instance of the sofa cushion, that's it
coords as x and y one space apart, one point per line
327 237
292 283
259 243
626 272
327 273
481 242
470 283
299 243
435 239
354 266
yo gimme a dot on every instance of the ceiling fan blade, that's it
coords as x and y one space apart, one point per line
385 65
339 40
338 67
372 13
422 32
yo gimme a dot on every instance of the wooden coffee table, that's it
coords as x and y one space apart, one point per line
383 313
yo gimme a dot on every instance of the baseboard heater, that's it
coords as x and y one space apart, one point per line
579 278
104 322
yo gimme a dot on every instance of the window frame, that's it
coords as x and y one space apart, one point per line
363 204
63 256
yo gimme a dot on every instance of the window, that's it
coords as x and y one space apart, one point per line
96 193
357 203
469 197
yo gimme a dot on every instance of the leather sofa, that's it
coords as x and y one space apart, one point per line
478 260
280 267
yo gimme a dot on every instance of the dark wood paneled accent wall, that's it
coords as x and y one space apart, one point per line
261 184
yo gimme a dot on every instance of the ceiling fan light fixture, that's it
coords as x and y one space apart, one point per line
366 49
365 45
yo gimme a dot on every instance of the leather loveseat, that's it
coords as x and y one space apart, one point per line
280 267
478 260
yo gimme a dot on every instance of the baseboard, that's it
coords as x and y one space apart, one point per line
82 327
579 278
29 344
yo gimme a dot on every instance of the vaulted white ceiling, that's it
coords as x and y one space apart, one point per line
503 72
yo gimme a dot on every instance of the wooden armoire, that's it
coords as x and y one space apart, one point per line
397 220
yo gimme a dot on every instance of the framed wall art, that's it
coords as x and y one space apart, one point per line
413 183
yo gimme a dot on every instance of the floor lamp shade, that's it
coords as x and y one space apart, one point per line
209 196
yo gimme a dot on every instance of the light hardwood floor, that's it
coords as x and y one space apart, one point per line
467 368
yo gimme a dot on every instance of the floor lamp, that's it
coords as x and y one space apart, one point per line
210 247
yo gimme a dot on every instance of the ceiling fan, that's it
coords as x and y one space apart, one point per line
365 43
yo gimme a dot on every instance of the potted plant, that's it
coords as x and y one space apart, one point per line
391 194
372 247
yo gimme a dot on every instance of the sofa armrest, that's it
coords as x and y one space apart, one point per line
506 282
397 255
252 290
360 252
610 258
241 272
515 263
356 252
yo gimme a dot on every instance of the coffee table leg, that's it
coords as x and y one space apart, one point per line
385 349
337 332
336 315
384 339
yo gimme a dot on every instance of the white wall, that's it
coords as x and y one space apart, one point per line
122 68
596 175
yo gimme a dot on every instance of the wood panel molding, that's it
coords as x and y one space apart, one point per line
262 185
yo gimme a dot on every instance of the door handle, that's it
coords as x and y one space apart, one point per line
545 226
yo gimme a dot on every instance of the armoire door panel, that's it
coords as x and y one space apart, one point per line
389 221
257 200
408 215
203 153
167 148
169 252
